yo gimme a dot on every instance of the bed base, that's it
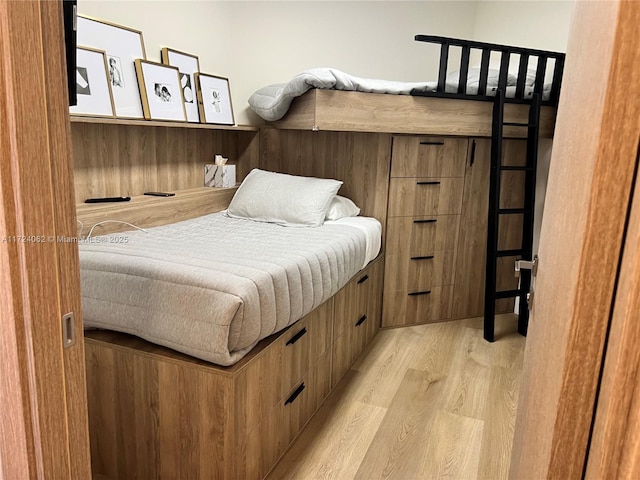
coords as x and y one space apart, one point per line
155 413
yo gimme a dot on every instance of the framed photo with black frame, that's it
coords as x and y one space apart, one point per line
160 91
214 99
188 65
122 45
93 88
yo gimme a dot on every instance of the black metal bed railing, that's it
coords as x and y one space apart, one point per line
506 51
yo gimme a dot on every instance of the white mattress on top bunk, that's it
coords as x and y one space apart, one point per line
272 102
212 287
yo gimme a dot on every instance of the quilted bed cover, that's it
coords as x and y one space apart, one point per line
212 287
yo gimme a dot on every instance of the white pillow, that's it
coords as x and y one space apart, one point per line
283 199
341 207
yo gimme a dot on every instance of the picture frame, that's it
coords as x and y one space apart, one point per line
93 87
122 45
214 99
160 91
188 65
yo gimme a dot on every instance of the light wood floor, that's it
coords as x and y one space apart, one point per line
425 402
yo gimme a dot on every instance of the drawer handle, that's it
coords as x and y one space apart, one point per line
428 220
426 142
363 279
295 394
428 183
426 257
297 337
361 321
415 294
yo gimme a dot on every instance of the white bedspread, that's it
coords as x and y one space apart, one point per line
212 287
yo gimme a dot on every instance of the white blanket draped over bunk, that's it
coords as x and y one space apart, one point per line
213 286
272 102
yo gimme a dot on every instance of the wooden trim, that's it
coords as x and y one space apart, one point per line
590 181
159 123
147 211
375 112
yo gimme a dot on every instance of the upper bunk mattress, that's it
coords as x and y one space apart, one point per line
212 287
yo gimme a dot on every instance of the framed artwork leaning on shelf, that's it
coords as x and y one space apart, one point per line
214 99
93 88
122 46
160 91
188 65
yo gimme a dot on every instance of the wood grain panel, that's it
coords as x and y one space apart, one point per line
404 273
428 156
400 308
373 112
413 197
420 238
130 158
147 211
361 161
588 196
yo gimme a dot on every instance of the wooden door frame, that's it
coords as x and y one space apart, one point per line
588 198
43 426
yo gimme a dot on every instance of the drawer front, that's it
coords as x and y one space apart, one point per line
403 272
400 308
428 156
281 364
266 443
425 196
349 345
421 236
352 302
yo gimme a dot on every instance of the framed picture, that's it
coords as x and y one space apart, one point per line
122 46
92 84
160 91
188 65
214 99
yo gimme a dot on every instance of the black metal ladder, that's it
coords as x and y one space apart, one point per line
495 212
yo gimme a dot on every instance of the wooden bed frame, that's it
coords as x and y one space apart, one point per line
155 413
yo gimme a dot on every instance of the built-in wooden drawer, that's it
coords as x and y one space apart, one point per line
270 376
414 307
419 236
354 300
425 196
428 156
269 440
349 345
404 272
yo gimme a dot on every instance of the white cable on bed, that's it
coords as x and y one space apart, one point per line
114 221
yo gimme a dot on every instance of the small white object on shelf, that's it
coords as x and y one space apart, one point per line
220 174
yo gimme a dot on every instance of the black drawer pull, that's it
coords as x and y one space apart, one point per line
363 279
297 337
428 183
361 321
428 220
295 394
426 257
415 294
426 142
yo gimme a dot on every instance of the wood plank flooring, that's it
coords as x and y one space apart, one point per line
425 402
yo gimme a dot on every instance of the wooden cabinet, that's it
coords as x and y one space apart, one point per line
437 228
422 228
357 317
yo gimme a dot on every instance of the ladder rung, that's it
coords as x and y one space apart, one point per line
517 124
509 293
510 253
511 211
517 168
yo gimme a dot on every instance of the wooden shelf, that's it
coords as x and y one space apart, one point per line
148 211
156 123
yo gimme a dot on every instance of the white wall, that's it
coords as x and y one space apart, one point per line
256 43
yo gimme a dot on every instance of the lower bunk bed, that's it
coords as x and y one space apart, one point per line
158 412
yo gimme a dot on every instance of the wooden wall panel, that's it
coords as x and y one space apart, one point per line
130 159
360 160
